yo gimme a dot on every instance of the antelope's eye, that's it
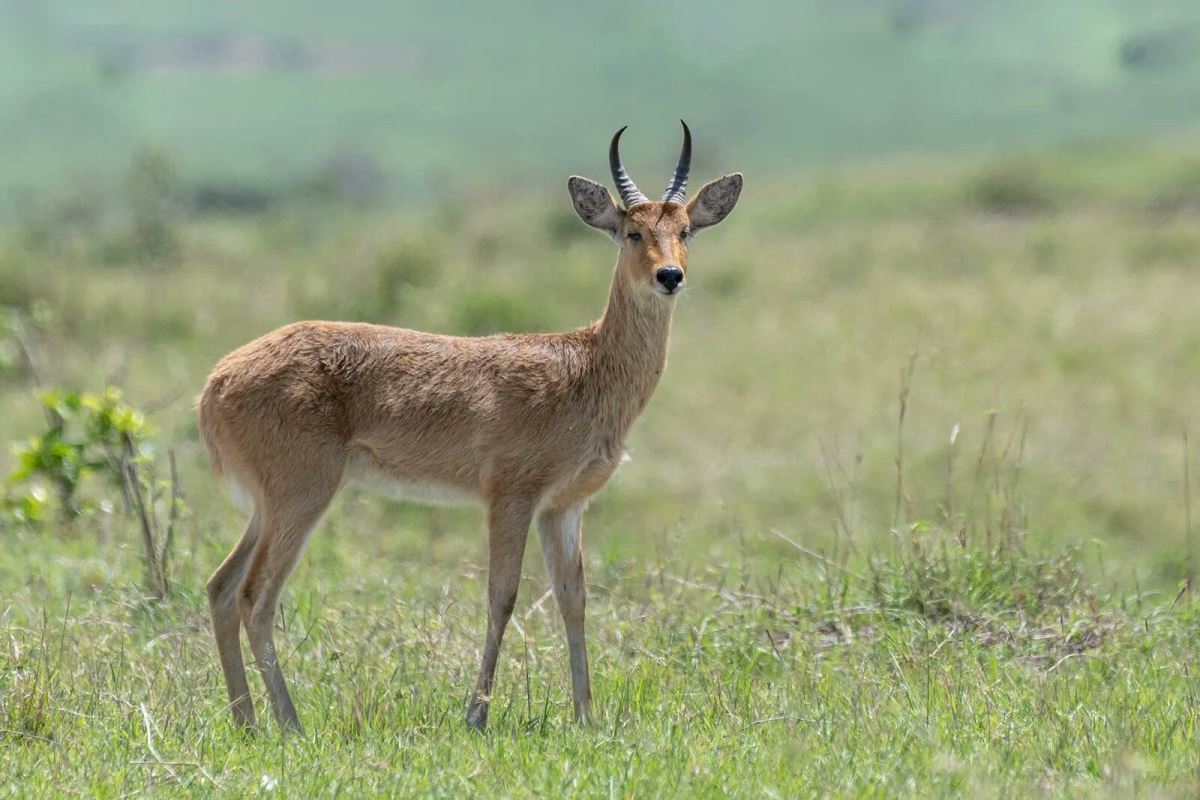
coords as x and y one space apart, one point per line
634 236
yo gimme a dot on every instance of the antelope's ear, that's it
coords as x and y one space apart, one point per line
594 205
714 201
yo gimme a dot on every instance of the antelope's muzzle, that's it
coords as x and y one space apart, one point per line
669 279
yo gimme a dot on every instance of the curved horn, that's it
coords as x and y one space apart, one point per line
631 195
677 188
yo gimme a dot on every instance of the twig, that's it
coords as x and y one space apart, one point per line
528 680
785 718
728 595
817 556
1065 658
24 735
1182 589
152 573
541 600
29 355
159 403
834 493
1187 519
172 517
150 744
169 765
950 478
905 389
984 452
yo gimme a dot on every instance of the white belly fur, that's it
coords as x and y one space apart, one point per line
362 472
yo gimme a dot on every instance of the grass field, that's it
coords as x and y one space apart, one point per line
794 592
272 92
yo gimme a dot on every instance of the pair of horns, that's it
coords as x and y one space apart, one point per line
631 195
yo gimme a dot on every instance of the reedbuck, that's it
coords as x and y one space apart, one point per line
529 425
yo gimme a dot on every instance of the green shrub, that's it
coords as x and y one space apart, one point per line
564 227
1014 187
487 311
1180 194
87 435
152 195
410 262
941 577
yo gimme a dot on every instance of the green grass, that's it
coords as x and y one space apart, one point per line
709 680
1004 625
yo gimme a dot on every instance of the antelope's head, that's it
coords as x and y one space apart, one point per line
654 235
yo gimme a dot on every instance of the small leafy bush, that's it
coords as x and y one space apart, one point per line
482 312
941 577
96 445
87 436
564 227
1180 194
151 234
1015 187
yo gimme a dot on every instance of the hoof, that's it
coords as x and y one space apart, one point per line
477 715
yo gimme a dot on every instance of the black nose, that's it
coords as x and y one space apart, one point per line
669 278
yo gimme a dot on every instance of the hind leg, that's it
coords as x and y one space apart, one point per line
227 623
285 531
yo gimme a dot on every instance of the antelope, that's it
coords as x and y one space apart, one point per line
530 425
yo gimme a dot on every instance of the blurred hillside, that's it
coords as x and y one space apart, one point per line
396 99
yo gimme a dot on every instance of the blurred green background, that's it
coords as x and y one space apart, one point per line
1006 189
444 96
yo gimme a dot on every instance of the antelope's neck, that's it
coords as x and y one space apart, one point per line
631 352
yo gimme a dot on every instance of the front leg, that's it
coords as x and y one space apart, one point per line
561 532
508 528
